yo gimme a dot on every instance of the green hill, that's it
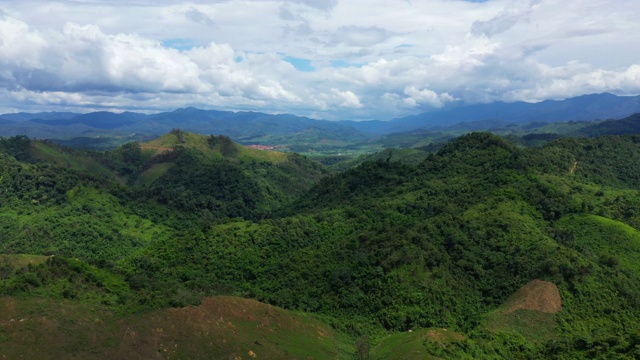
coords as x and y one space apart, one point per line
219 328
52 308
101 206
212 174
468 248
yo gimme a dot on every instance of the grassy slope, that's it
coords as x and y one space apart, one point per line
530 312
200 143
605 240
279 175
56 155
22 260
153 173
220 328
412 345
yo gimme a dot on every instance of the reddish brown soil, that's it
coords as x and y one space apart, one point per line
537 295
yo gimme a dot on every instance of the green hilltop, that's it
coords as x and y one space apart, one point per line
481 249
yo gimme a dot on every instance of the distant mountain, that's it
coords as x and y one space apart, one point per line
581 108
305 134
245 127
628 125
22 116
100 120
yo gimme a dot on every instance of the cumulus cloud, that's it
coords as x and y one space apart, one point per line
83 58
468 54
346 98
369 60
84 67
576 79
416 97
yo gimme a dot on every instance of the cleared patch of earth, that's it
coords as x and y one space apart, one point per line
529 312
537 295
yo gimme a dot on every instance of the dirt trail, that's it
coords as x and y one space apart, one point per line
573 168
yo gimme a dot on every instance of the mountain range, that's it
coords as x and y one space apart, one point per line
267 129
582 108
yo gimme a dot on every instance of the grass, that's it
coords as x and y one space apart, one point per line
411 345
49 154
19 261
153 173
201 144
220 328
596 237
535 326
249 154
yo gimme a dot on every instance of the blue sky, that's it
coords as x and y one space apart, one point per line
331 59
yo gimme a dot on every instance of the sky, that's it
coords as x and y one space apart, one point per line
329 59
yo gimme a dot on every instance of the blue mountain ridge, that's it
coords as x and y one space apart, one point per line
245 125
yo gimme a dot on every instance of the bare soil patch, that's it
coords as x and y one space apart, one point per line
537 295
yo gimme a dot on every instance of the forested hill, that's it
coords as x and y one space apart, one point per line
446 242
88 204
627 125
483 249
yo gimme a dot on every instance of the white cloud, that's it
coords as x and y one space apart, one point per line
370 60
467 55
318 4
360 36
346 98
416 97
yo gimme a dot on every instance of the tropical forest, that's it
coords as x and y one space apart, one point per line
488 244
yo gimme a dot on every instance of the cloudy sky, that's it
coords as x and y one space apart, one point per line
332 59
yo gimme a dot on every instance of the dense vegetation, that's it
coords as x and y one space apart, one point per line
438 241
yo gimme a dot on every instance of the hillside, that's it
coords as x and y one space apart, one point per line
219 328
100 206
218 175
439 244
625 126
483 249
